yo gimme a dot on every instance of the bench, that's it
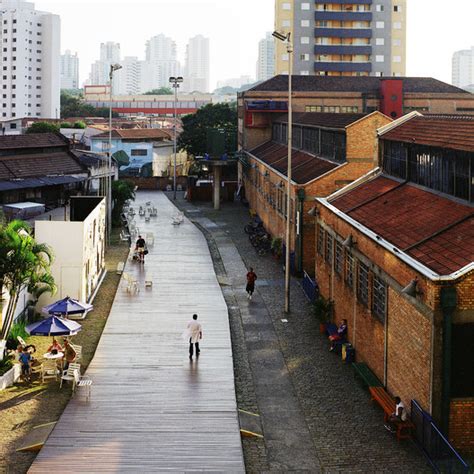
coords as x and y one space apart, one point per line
387 403
362 370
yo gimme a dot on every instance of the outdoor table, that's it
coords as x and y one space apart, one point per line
59 356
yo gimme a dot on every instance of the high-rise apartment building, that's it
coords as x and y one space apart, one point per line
29 62
69 70
160 53
100 70
342 37
463 67
196 76
266 58
127 79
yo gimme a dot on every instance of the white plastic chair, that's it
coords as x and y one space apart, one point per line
84 382
68 375
78 350
150 239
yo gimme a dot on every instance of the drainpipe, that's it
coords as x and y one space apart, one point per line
299 231
448 300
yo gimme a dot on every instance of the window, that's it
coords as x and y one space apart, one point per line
349 270
397 25
284 57
305 23
329 248
285 23
363 283
397 8
320 244
304 57
397 42
305 40
397 59
286 6
379 298
379 8
139 152
379 24
338 259
379 41
379 58
305 6
304 73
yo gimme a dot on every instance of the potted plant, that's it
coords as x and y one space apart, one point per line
277 247
323 309
9 373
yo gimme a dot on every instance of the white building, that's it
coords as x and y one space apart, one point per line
266 58
161 61
100 69
30 61
69 70
196 76
463 67
127 79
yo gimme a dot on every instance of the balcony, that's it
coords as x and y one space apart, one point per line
343 32
344 2
342 16
342 49
337 66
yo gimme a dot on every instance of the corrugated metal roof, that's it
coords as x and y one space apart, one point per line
435 230
452 132
136 134
32 140
39 182
304 167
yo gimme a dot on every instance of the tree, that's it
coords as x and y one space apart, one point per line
122 191
43 127
193 139
160 91
79 124
24 265
74 106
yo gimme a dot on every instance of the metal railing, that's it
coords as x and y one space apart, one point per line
441 455
310 288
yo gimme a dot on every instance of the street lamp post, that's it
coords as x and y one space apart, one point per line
175 82
113 68
289 49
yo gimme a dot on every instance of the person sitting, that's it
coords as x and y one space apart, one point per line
25 361
140 248
55 347
69 354
399 415
340 336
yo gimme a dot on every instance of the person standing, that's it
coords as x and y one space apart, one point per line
140 248
250 288
194 331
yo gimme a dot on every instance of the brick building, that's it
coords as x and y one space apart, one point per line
330 151
395 252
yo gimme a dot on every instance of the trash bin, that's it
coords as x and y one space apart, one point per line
345 347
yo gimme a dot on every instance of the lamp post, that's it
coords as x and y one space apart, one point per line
175 82
113 68
286 38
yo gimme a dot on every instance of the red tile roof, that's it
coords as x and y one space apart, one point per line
137 134
304 167
435 230
455 132
33 140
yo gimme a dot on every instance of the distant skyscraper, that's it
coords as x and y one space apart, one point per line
341 38
161 56
109 54
196 76
69 70
235 82
30 61
266 58
127 79
463 67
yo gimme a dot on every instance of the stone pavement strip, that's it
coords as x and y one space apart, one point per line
315 415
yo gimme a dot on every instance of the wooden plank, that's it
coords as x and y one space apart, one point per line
152 409
36 438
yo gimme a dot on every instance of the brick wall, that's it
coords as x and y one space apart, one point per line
461 424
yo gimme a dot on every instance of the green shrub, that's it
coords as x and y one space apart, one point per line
66 125
79 124
5 366
323 309
18 329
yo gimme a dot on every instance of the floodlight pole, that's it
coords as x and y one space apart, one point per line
175 81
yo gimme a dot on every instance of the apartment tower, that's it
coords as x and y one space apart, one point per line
196 76
30 61
69 70
266 58
463 68
162 60
342 37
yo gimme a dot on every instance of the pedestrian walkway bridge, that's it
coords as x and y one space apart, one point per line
152 409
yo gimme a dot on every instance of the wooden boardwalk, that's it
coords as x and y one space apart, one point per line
152 409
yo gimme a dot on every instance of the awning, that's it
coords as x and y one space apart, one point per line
40 182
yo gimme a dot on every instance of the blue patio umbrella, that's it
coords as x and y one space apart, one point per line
54 326
67 306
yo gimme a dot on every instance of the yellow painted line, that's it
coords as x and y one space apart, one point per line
250 434
248 413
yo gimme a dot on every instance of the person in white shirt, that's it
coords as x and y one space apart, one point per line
399 415
194 332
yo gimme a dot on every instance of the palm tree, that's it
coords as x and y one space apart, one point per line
24 265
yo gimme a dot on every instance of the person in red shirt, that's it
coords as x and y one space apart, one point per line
250 288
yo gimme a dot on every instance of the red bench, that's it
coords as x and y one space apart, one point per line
387 403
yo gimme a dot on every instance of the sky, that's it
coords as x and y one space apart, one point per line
435 30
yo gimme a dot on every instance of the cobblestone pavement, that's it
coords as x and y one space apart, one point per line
346 431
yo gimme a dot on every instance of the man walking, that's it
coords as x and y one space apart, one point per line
194 330
250 288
